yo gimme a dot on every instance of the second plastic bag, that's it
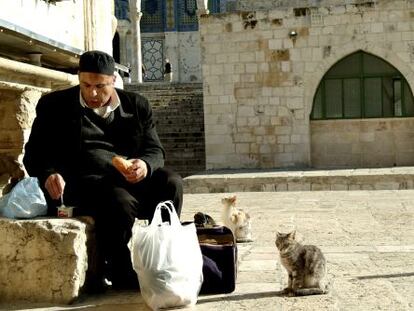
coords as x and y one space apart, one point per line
26 200
167 259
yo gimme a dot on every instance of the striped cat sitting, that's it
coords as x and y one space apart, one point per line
305 264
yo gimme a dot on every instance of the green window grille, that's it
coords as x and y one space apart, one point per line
362 85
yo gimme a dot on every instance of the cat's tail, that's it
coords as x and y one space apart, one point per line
244 240
313 290
310 291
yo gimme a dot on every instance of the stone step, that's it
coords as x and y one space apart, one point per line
173 129
180 111
167 102
174 120
182 136
188 158
191 151
179 118
162 85
395 178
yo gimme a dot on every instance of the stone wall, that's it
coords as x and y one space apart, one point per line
257 5
363 143
259 83
178 114
17 111
188 54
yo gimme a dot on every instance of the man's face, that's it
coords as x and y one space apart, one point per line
96 89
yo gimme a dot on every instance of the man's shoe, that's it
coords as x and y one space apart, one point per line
97 286
129 282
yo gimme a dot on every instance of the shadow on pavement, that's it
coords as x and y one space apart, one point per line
385 276
206 299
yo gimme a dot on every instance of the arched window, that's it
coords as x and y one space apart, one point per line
362 86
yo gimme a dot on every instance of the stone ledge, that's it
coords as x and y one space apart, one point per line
35 75
395 178
43 260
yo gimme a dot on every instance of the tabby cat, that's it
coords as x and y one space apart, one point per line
305 264
236 219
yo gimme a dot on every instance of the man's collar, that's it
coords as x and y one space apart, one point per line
103 111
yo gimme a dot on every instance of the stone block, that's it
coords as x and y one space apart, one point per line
336 187
298 186
43 260
281 186
320 187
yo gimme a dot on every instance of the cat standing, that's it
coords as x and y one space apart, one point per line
305 264
237 220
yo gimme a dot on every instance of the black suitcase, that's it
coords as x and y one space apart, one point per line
219 250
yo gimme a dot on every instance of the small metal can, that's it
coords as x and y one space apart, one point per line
65 211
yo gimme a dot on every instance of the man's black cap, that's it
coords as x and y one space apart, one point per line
97 62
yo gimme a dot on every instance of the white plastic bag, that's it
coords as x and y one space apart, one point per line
167 259
26 200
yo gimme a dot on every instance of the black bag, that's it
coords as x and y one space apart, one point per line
219 250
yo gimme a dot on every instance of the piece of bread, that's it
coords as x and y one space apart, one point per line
121 164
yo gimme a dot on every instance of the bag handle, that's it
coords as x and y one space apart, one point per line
169 206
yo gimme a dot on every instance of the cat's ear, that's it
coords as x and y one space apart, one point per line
233 199
278 234
292 235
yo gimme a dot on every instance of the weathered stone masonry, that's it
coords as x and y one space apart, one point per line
21 86
259 83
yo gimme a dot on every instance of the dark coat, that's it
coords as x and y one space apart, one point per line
54 143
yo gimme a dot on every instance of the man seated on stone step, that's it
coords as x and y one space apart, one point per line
74 136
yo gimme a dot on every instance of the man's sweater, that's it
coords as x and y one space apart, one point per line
98 143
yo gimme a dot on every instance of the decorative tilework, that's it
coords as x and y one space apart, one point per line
226 6
170 15
214 6
152 57
173 15
152 16
122 9
151 7
187 15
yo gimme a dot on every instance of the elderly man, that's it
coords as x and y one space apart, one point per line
75 135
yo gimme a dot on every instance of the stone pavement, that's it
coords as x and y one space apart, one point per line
367 237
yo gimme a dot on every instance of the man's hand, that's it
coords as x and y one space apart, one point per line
55 185
137 171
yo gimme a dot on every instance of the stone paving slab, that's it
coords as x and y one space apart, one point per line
367 237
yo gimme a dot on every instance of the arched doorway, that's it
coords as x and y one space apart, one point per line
362 115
